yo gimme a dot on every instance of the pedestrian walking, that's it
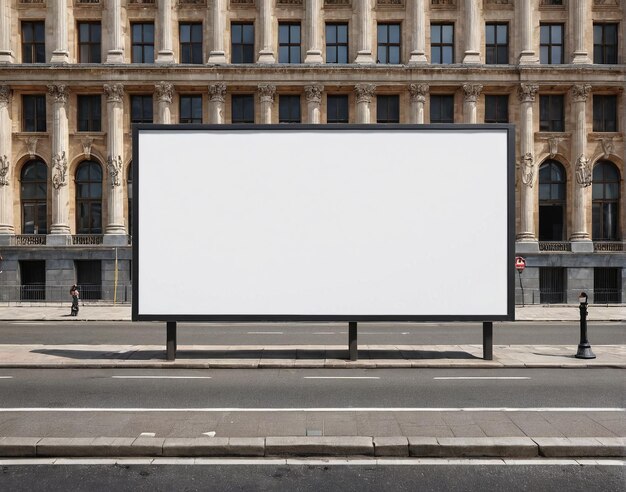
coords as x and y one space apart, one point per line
75 296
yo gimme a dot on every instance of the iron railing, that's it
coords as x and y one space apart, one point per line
555 246
61 293
604 246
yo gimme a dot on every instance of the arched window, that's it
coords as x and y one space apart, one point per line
551 201
129 189
33 192
605 215
89 198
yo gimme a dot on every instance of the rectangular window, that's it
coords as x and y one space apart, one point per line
243 108
141 109
190 42
289 109
337 43
442 43
552 285
242 43
389 43
604 113
605 43
34 117
89 113
441 109
190 109
143 42
496 109
89 42
607 285
289 43
33 42
497 43
337 109
551 114
388 109
551 44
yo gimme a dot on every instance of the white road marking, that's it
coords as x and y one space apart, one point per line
210 433
341 377
479 377
265 333
147 434
6 377
324 333
161 377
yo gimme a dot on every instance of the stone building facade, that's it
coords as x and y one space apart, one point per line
75 75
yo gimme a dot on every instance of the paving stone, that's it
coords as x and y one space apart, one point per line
391 446
64 446
499 447
579 447
147 446
198 446
246 446
423 446
18 447
319 446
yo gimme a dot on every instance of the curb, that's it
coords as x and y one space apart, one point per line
417 447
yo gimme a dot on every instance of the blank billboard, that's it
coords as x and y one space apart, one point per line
357 223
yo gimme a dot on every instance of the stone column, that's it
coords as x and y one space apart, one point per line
314 52
217 97
418 51
61 53
266 54
59 175
266 95
116 48
217 54
581 13
528 172
527 55
472 91
313 95
6 53
164 93
581 242
115 164
364 54
418 94
364 94
473 26
166 53
6 194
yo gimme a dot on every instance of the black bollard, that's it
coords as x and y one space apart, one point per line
584 349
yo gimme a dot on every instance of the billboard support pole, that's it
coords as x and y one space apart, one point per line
352 341
171 340
488 340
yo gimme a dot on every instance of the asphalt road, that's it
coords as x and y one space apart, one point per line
525 333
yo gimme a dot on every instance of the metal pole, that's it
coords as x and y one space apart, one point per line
171 340
488 340
352 342
521 286
584 349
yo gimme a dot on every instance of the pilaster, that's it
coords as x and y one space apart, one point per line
266 54
313 94
527 165
418 93
217 54
581 12
473 25
314 51
217 98
527 24
115 160
166 53
266 97
61 52
6 53
164 94
6 176
364 95
115 53
472 91
364 54
418 39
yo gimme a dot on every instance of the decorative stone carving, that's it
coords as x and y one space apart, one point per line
498 2
553 143
390 3
418 92
59 170
337 3
31 143
527 92
114 165
217 92
580 92
4 170
606 3
443 2
364 92
241 3
313 93
5 96
114 92
267 92
288 3
608 147
472 91
59 93
164 91
527 169
583 171
87 142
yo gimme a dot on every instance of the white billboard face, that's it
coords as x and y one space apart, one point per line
366 223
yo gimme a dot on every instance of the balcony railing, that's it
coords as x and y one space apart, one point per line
87 239
555 246
608 246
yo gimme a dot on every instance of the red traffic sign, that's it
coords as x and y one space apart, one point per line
520 263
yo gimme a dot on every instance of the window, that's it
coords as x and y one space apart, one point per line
389 43
336 43
89 113
551 201
605 202
496 109
604 113
243 108
34 117
552 288
442 43
497 46
141 109
289 109
33 193
89 198
33 42
242 43
289 43
190 43
607 285
190 109
605 43
551 43
337 109
442 109
388 109
89 42
551 115
143 42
